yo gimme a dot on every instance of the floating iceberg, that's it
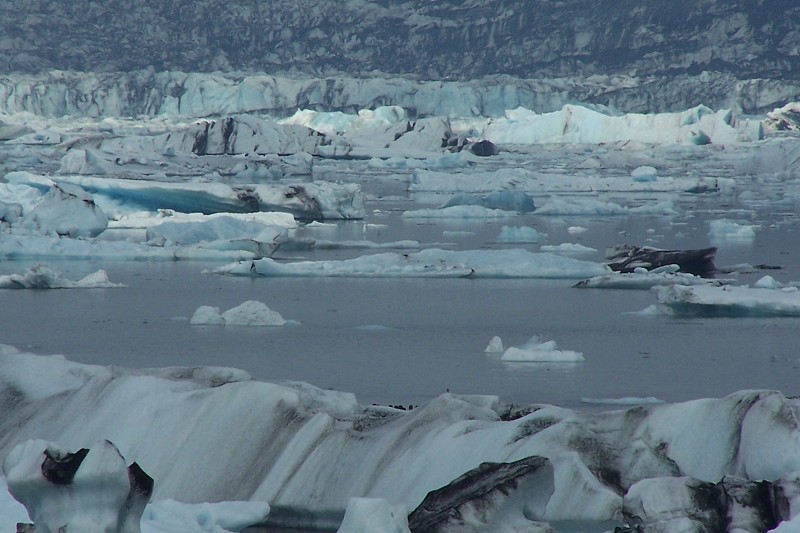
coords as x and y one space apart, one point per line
65 210
730 231
564 207
567 248
303 200
643 279
249 313
704 300
514 263
41 277
535 351
460 211
506 200
522 234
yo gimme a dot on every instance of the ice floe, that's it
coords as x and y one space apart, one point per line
536 351
643 279
249 313
521 234
514 263
730 301
42 277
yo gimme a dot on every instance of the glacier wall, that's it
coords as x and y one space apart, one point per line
174 93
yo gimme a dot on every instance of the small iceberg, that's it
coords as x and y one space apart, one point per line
249 313
534 351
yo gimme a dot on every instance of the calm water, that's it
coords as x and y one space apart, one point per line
404 341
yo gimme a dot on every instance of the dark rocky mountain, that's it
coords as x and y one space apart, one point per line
431 39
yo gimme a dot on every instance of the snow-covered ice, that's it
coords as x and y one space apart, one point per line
643 279
536 351
430 263
519 234
249 313
42 277
731 301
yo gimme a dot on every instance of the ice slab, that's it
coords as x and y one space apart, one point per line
42 277
515 263
730 301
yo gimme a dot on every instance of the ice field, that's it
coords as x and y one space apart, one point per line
282 313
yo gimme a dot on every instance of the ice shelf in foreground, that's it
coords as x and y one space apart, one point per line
515 263
307 451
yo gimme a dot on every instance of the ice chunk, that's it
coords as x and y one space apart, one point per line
91 490
704 300
563 207
507 200
644 173
66 210
433 262
249 313
567 248
42 277
170 516
374 515
730 231
460 211
535 351
495 346
519 234
643 279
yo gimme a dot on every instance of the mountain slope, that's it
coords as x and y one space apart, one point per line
457 39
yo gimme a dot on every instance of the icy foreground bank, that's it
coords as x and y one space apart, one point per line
307 451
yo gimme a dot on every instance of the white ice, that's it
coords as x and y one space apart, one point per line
522 234
561 206
725 231
495 345
514 263
643 279
322 438
249 313
735 301
535 351
42 277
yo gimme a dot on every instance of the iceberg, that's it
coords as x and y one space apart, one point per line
303 200
728 300
249 313
564 207
535 351
580 125
643 279
515 263
460 211
521 234
725 231
283 442
42 277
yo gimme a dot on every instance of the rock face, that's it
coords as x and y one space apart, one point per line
436 40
